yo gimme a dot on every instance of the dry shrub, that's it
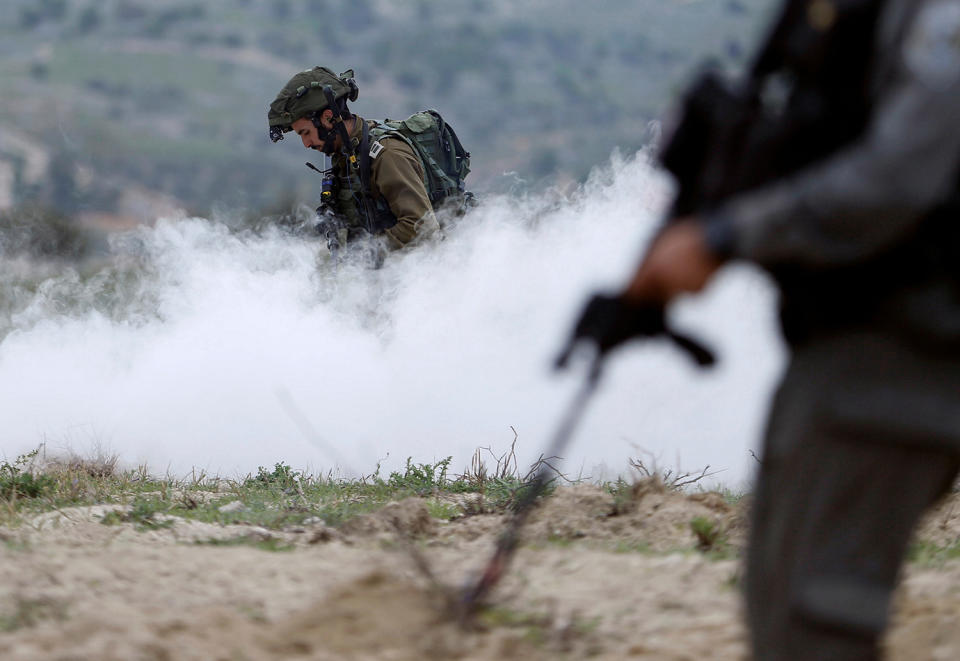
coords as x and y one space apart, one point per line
670 479
99 465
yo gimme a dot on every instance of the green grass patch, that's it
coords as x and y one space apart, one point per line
423 479
280 497
731 496
712 539
559 541
632 547
709 533
276 498
142 514
929 554
17 482
444 511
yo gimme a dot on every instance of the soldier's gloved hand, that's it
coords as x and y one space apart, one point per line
609 321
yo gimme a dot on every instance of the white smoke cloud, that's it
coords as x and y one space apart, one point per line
436 354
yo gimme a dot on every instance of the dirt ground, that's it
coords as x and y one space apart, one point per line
593 579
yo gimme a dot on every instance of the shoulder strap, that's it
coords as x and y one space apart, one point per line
381 131
363 171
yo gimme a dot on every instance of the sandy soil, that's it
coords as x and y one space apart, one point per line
593 579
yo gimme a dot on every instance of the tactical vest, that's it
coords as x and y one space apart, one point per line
443 160
352 202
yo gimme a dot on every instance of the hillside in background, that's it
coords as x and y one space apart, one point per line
124 108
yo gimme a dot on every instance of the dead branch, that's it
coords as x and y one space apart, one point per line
670 478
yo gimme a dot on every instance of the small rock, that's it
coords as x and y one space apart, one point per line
235 506
260 534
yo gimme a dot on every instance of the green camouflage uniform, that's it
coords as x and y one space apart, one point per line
401 204
396 179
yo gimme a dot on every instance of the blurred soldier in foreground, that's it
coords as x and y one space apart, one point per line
387 178
835 167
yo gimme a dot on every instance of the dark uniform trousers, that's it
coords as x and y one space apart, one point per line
851 460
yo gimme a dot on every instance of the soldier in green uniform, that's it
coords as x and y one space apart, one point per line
378 184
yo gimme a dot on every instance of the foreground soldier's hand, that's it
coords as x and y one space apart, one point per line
679 261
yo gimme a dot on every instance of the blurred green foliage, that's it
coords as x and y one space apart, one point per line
172 97
18 482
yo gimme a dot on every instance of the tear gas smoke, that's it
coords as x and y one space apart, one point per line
189 349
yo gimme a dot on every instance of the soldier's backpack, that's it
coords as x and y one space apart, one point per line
445 162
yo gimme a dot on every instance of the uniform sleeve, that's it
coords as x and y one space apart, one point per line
867 197
398 177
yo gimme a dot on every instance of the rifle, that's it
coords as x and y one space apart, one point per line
328 222
804 96
359 167
730 138
712 143
606 323
725 142
714 116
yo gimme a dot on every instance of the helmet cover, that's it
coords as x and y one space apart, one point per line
303 96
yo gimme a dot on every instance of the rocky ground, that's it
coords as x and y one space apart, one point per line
595 577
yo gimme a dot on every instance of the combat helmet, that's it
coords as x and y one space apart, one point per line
305 95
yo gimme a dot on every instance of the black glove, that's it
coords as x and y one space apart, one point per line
609 321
